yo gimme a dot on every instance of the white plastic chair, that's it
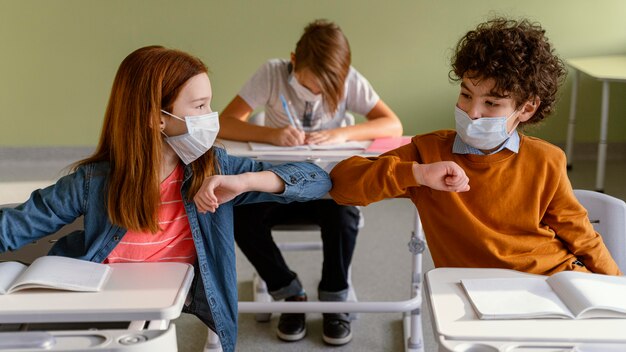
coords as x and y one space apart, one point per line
608 216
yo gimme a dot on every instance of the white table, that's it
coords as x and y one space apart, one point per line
131 313
325 159
605 69
410 308
457 328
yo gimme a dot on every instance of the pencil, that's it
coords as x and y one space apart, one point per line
286 108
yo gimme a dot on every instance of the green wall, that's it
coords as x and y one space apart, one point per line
58 58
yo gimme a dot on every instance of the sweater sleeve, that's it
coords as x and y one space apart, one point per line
361 181
569 219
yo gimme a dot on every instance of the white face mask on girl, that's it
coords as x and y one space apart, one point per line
201 133
303 92
482 133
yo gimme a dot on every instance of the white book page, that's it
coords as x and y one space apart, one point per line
351 145
9 271
263 147
585 293
63 273
514 298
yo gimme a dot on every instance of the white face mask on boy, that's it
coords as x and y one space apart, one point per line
482 133
303 92
201 133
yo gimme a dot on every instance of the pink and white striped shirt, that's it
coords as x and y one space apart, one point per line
172 243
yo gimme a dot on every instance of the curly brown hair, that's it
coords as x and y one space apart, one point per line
517 56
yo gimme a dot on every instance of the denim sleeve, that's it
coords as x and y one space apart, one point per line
44 213
303 181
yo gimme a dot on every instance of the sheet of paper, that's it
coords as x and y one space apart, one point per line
9 271
383 145
351 145
513 298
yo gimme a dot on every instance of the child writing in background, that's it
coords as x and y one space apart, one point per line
157 190
521 212
306 100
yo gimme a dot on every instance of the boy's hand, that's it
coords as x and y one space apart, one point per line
334 136
218 189
442 176
287 136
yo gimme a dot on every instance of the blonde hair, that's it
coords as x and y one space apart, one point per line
148 80
324 50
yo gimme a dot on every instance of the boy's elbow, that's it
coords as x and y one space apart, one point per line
344 198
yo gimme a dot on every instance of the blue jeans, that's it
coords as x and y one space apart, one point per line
339 228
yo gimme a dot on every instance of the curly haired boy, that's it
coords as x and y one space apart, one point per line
520 212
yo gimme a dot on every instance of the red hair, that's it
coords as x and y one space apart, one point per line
148 80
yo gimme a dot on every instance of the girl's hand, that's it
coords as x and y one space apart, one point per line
334 136
218 189
287 136
442 176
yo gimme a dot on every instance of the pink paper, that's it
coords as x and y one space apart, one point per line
382 145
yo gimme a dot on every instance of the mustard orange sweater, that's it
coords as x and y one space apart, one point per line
520 212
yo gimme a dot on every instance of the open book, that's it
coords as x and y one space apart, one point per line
53 272
567 294
351 145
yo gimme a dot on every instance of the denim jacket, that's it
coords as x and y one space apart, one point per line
82 193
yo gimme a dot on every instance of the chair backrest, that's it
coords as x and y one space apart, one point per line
608 216
40 248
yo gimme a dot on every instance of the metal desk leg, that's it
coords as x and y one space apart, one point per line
569 143
412 321
604 122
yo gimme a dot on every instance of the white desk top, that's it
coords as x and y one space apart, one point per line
243 149
326 159
454 317
134 291
606 68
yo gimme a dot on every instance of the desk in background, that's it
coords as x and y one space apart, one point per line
410 308
131 313
325 159
605 69
457 328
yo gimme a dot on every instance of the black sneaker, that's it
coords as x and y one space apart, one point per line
291 326
337 329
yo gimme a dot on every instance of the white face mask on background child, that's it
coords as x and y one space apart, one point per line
482 133
201 133
303 92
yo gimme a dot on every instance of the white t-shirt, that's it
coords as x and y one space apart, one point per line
272 79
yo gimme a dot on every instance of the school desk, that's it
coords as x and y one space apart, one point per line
457 328
410 308
325 159
606 69
131 313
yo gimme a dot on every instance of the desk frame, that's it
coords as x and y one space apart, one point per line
589 67
410 309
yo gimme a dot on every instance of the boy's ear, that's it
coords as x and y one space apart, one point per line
529 108
293 59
